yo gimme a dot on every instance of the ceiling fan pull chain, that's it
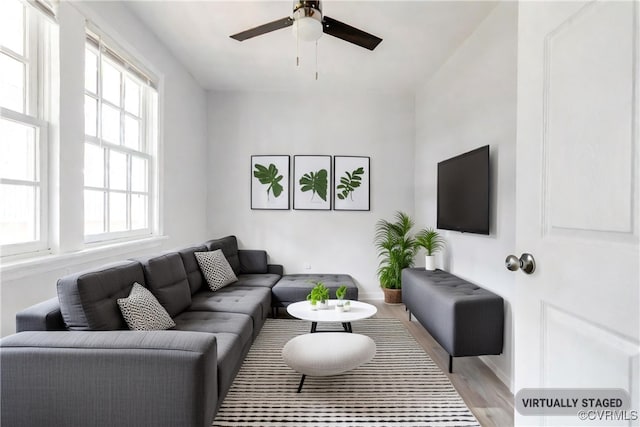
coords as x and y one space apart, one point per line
316 59
297 46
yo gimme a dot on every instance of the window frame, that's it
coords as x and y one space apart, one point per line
37 81
147 141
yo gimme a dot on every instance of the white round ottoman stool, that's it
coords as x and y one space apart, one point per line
327 353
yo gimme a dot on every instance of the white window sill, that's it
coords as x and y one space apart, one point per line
19 268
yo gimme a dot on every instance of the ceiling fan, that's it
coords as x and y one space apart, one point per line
310 24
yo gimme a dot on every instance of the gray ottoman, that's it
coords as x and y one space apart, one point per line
295 287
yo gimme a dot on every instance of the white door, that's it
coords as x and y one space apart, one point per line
577 316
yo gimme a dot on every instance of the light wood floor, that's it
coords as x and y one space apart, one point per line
488 398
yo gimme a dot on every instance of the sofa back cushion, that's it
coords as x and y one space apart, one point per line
88 300
191 267
253 261
166 278
229 247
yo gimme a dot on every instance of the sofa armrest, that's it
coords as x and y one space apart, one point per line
275 269
44 316
123 378
252 261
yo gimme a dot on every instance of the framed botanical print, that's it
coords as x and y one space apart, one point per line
270 182
311 182
351 183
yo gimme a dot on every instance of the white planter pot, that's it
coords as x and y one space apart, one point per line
430 262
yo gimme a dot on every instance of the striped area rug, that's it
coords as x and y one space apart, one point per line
401 386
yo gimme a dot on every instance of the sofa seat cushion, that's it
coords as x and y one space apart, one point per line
296 287
231 355
88 300
260 280
214 322
233 332
251 300
167 279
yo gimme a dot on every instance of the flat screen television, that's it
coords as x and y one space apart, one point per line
463 192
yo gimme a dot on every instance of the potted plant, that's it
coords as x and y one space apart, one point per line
319 296
341 305
396 250
432 242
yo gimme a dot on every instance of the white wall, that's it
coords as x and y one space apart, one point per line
183 157
245 124
471 102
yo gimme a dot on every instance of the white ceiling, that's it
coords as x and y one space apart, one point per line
418 36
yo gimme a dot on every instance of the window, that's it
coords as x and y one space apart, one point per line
24 38
120 111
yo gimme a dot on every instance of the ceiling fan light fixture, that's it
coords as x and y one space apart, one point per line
307 24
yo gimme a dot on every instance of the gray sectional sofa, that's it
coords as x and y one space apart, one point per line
73 362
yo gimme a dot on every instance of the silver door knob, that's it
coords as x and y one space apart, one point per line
526 263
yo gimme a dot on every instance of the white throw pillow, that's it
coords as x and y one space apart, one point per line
216 269
142 311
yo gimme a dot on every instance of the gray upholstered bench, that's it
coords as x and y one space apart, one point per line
464 318
295 287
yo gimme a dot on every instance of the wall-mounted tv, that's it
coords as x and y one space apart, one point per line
463 192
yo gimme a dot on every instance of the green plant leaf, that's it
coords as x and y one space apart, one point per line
269 176
316 182
349 182
430 240
341 292
319 293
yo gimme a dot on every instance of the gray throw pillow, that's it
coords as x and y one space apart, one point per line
142 311
216 269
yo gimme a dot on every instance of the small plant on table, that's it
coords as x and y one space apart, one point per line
341 293
318 296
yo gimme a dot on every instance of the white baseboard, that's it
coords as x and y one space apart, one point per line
506 380
371 296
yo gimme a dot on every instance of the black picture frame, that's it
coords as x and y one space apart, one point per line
312 182
270 177
351 183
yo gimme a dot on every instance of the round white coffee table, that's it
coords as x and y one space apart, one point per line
359 310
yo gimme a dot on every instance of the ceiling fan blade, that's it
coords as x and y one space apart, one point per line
348 33
263 29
